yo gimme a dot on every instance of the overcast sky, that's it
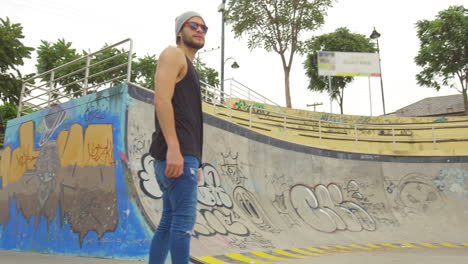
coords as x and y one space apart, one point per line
89 24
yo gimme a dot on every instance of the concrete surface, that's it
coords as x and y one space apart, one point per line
257 193
408 256
18 257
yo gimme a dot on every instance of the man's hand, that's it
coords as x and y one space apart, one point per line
199 174
174 163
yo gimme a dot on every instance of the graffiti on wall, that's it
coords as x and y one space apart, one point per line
324 209
453 181
415 194
281 185
257 108
146 174
72 169
52 121
210 190
251 208
230 168
219 221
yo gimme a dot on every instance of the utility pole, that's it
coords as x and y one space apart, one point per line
314 105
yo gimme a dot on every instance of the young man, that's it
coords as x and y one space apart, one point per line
177 142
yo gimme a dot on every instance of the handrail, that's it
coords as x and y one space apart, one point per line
253 91
79 59
53 94
358 124
358 137
210 95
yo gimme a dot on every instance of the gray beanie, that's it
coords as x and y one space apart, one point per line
180 20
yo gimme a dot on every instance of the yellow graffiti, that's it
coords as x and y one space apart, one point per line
98 145
70 146
15 164
5 164
95 148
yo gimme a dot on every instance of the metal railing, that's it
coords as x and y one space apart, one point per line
77 78
238 89
386 133
356 127
237 94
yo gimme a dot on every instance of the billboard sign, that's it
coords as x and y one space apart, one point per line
332 63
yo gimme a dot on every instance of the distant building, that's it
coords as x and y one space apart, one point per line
450 105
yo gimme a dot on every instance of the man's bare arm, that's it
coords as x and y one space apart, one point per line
171 63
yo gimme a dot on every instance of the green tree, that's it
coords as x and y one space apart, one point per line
209 76
443 51
12 54
144 69
104 67
206 74
276 25
340 40
51 55
110 58
7 112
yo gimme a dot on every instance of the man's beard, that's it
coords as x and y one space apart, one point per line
191 43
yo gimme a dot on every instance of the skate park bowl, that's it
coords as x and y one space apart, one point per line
278 185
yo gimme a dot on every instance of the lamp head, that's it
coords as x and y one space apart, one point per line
235 65
375 34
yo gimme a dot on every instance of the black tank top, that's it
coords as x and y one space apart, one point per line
188 118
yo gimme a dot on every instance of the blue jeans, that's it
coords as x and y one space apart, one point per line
179 213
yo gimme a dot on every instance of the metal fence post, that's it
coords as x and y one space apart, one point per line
250 117
88 59
355 133
51 86
129 67
284 124
320 129
20 104
229 101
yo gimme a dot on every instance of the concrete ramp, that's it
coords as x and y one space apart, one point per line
77 179
260 194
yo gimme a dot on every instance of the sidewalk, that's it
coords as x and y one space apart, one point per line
17 257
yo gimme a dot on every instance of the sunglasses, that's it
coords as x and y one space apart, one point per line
195 26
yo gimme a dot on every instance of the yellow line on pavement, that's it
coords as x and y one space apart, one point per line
391 245
343 247
268 256
409 245
212 260
282 252
372 246
449 245
319 250
429 245
334 249
360 247
305 252
245 259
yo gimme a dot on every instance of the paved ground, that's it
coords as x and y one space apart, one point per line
406 256
16 257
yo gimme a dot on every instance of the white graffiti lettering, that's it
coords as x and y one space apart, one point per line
210 192
324 209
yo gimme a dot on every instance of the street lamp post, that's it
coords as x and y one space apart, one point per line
222 9
234 65
375 35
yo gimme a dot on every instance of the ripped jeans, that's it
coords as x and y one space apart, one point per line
179 213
